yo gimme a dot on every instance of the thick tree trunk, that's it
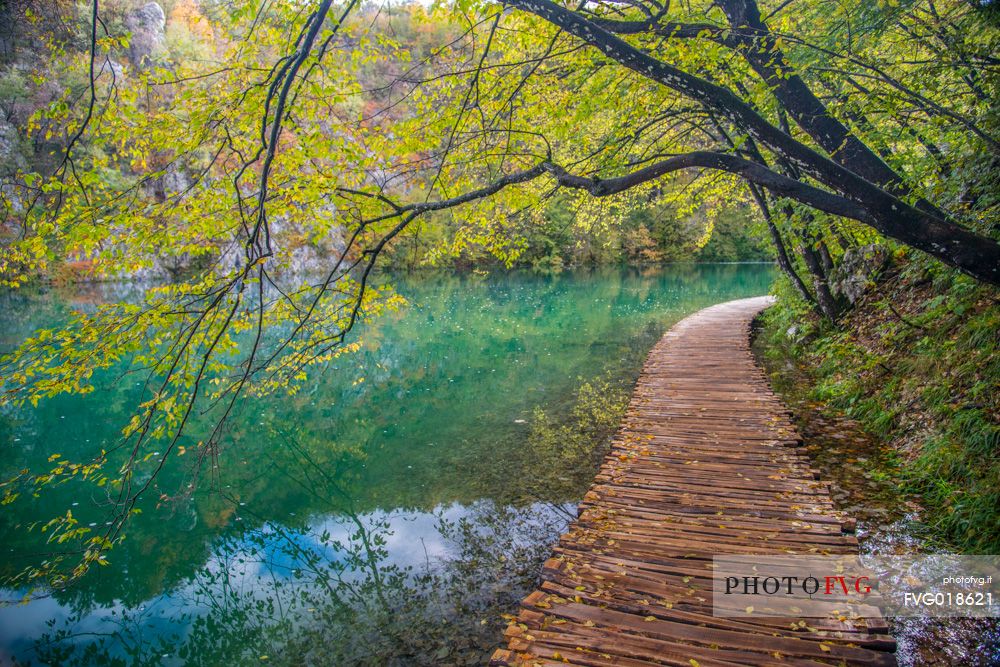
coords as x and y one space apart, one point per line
758 47
824 255
979 256
827 304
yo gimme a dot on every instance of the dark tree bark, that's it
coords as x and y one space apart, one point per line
752 172
760 198
926 230
784 262
757 44
827 304
859 119
824 255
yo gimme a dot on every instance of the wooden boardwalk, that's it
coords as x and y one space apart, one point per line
705 464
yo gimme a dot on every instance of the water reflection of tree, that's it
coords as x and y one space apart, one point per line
559 457
344 600
313 596
355 608
427 417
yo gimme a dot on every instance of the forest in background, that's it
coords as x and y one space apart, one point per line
664 229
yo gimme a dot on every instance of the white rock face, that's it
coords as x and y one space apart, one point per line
11 159
147 25
10 153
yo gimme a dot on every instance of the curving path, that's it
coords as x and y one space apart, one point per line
705 463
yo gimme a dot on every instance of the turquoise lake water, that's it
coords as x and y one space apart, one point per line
388 522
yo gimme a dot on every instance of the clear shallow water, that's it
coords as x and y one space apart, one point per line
386 522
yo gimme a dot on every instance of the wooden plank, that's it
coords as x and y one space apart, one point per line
705 463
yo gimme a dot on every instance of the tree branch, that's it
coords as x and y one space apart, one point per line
977 255
750 171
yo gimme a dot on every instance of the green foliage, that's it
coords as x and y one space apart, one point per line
560 237
264 136
918 365
13 88
735 238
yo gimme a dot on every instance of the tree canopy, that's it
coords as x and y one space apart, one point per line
252 131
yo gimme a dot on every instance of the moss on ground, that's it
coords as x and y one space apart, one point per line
917 363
